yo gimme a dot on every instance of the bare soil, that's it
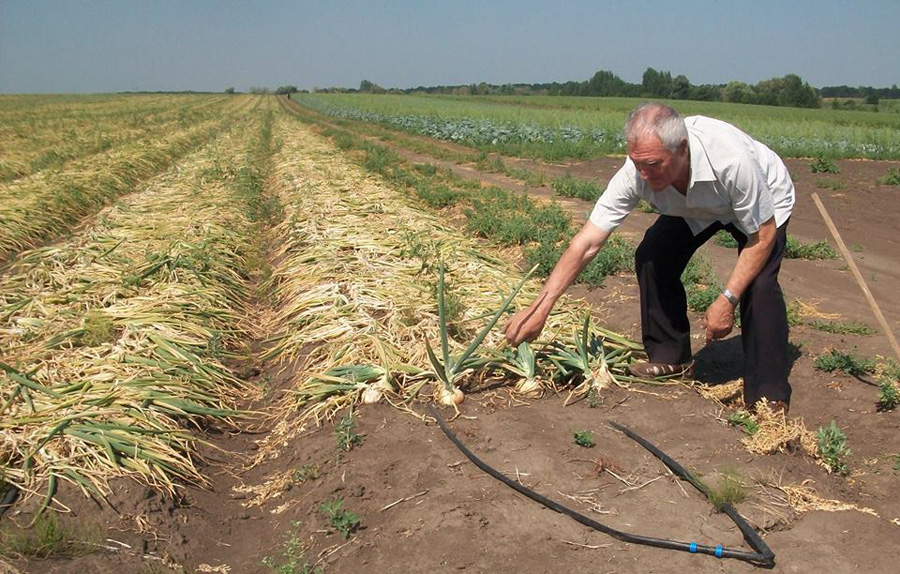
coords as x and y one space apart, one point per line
425 508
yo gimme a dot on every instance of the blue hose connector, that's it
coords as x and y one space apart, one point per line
719 551
693 547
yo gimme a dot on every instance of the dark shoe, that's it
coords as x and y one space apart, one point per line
662 370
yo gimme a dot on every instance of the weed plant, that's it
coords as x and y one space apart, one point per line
745 421
730 489
342 520
842 327
347 437
823 164
700 284
832 184
578 188
849 363
583 438
293 555
725 239
892 178
795 249
48 537
833 449
888 395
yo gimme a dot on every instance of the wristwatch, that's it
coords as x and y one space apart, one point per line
731 297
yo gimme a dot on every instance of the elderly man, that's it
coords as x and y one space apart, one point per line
703 175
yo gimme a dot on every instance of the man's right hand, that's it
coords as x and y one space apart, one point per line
525 325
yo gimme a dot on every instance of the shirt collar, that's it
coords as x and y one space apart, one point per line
701 170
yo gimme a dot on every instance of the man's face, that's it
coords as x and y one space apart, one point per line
658 166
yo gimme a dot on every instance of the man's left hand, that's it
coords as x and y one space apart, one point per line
719 320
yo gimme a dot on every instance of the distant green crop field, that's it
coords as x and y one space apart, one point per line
557 127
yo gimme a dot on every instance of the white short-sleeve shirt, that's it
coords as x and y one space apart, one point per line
734 179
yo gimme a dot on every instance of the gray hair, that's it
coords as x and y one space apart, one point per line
659 121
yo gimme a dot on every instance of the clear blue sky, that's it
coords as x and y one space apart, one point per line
115 45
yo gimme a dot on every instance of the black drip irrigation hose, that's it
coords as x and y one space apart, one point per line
763 556
12 493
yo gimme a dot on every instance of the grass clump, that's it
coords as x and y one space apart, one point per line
342 520
646 207
823 164
293 554
892 178
833 449
795 249
832 184
725 239
578 188
730 489
48 537
842 327
583 438
849 363
700 284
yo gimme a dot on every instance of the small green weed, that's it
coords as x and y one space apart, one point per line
293 554
583 438
795 249
725 239
842 327
48 537
578 188
857 248
823 164
892 178
305 473
341 520
833 449
888 395
437 196
347 437
832 184
729 489
847 362
426 169
897 462
700 284
745 421
646 207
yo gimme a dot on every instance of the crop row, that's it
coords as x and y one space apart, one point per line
113 341
39 139
34 209
521 128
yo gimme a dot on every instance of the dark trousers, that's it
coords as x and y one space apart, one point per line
661 258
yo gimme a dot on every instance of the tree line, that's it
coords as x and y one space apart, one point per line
789 90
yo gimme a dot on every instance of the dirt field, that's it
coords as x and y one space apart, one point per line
425 508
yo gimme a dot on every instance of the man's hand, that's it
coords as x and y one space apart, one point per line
719 320
525 325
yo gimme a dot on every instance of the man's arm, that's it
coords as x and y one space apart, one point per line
528 323
719 318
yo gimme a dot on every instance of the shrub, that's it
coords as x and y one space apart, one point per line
583 438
